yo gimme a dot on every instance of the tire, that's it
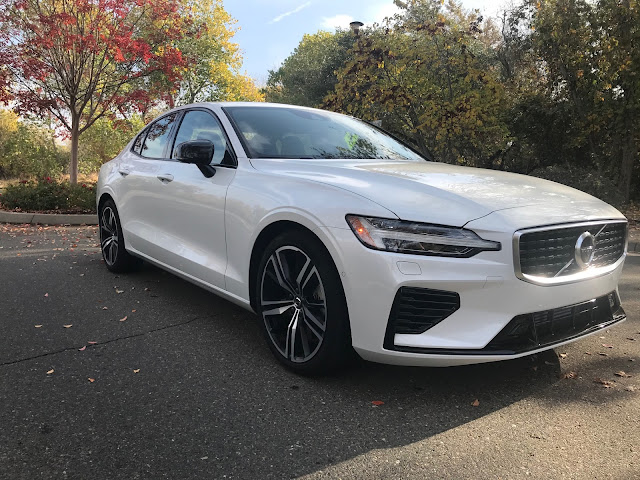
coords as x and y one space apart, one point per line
302 306
116 258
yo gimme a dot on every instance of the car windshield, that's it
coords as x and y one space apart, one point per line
283 132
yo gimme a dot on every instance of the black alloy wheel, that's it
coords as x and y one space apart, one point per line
302 306
116 258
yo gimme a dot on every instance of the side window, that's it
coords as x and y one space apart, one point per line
137 145
199 125
158 137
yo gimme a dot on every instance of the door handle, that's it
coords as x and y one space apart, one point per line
124 171
165 178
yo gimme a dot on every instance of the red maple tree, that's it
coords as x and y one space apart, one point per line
80 60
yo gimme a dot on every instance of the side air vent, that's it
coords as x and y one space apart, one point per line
416 310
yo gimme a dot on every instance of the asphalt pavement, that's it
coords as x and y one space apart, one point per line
143 375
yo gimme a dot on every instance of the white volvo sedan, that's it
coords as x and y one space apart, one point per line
341 238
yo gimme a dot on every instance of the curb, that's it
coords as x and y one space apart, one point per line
48 218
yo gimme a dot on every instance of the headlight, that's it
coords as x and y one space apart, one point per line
418 238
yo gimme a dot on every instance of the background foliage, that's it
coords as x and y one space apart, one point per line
552 88
94 71
48 195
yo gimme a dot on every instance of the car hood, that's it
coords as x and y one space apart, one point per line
445 194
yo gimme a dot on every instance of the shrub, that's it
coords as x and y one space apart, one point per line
49 195
30 151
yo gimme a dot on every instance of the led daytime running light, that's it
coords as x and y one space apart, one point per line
418 238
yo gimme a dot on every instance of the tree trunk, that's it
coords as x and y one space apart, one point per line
629 156
75 134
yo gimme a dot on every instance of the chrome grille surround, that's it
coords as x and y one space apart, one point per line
546 255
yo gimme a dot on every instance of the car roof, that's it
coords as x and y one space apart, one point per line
247 104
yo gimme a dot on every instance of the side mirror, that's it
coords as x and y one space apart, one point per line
199 152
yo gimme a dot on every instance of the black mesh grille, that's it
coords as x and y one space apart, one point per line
540 329
545 253
415 310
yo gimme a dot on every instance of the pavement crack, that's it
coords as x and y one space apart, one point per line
105 342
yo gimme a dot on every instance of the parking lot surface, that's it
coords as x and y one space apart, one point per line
147 376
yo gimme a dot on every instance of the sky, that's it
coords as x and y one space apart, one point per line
271 29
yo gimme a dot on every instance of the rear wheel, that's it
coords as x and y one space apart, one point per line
116 258
302 305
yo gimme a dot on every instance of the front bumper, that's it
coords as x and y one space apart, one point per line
491 296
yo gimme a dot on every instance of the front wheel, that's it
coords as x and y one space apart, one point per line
302 304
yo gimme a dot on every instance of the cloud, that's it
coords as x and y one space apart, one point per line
376 13
337 21
291 12
380 12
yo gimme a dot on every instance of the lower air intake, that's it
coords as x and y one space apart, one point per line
416 310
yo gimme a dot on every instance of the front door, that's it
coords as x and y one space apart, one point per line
189 207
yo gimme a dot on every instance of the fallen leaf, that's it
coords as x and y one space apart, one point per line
606 345
82 349
622 373
587 353
105 308
603 354
136 370
605 383
133 311
377 402
549 363
91 379
50 372
38 326
67 326
631 338
475 403
630 388
92 343
46 294
570 375
119 291
123 319
562 355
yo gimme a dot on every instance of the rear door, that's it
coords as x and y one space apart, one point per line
136 192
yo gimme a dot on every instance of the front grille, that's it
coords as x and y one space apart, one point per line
536 330
551 252
416 310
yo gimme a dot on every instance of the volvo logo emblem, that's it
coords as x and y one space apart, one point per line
585 249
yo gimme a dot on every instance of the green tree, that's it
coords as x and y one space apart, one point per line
215 60
425 77
309 73
573 68
104 140
28 150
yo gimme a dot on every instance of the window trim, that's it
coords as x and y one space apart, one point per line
145 131
174 136
250 154
142 134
